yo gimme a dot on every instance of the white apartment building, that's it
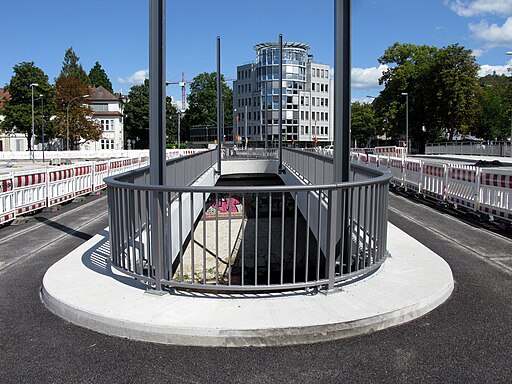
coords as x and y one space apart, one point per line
108 112
307 97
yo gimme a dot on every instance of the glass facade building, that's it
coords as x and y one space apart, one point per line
306 96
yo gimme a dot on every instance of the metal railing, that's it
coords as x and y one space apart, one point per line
249 238
470 148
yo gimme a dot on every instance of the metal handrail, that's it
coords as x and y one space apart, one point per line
310 218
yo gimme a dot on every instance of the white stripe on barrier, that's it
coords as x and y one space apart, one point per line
434 180
462 186
7 206
412 175
496 192
29 190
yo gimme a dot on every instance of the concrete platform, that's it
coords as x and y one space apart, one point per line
83 289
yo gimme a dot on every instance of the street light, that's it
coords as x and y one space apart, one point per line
32 136
406 120
179 128
42 121
510 53
67 118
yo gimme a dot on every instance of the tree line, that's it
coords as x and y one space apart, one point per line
446 98
62 102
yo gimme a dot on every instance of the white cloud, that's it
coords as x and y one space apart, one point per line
493 33
367 78
136 78
478 52
498 69
469 8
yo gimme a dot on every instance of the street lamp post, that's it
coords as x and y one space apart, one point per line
67 118
32 155
42 122
179 128
510 53
406 120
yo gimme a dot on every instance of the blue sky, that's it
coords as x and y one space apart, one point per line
115 33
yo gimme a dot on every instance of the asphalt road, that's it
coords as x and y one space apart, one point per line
466 340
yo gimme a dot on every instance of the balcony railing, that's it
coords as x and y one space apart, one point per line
309 233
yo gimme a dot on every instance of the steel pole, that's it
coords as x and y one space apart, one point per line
219 110
407 123
32 155
339 219
280 133
42 122
342 90
179 129
157 133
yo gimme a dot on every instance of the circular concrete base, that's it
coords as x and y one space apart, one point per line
82 289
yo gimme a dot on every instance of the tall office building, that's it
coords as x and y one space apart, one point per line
307 97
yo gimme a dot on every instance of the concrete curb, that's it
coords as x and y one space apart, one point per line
83 290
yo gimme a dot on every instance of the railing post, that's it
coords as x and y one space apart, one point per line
157 131
280 154
332 239
219 110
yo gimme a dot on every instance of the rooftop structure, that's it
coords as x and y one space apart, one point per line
307 97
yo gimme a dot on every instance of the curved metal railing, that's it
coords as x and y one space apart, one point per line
247 238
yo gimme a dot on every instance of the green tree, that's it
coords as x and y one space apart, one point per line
98 76
73 113
72 68
442 85
494 113
136 119
363 123
18 110
202 101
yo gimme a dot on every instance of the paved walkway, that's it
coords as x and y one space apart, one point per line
83 289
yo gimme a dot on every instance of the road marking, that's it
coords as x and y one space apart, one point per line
45 221
8 264
495 263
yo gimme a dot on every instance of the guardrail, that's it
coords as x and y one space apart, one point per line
485 191
28 191
248 238
470 148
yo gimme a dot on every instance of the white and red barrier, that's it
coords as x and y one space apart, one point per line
29 190
413 175
61 185
391 151
434 180
7 207
462 185
373 161
83 179
396 167
496 192
100 172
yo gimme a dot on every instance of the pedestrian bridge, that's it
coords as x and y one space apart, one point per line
195 233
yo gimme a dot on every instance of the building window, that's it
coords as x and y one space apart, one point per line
107 143
312 72
317 72
102 107
107 125
307 115
312 86
323 73
326 102
326 88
